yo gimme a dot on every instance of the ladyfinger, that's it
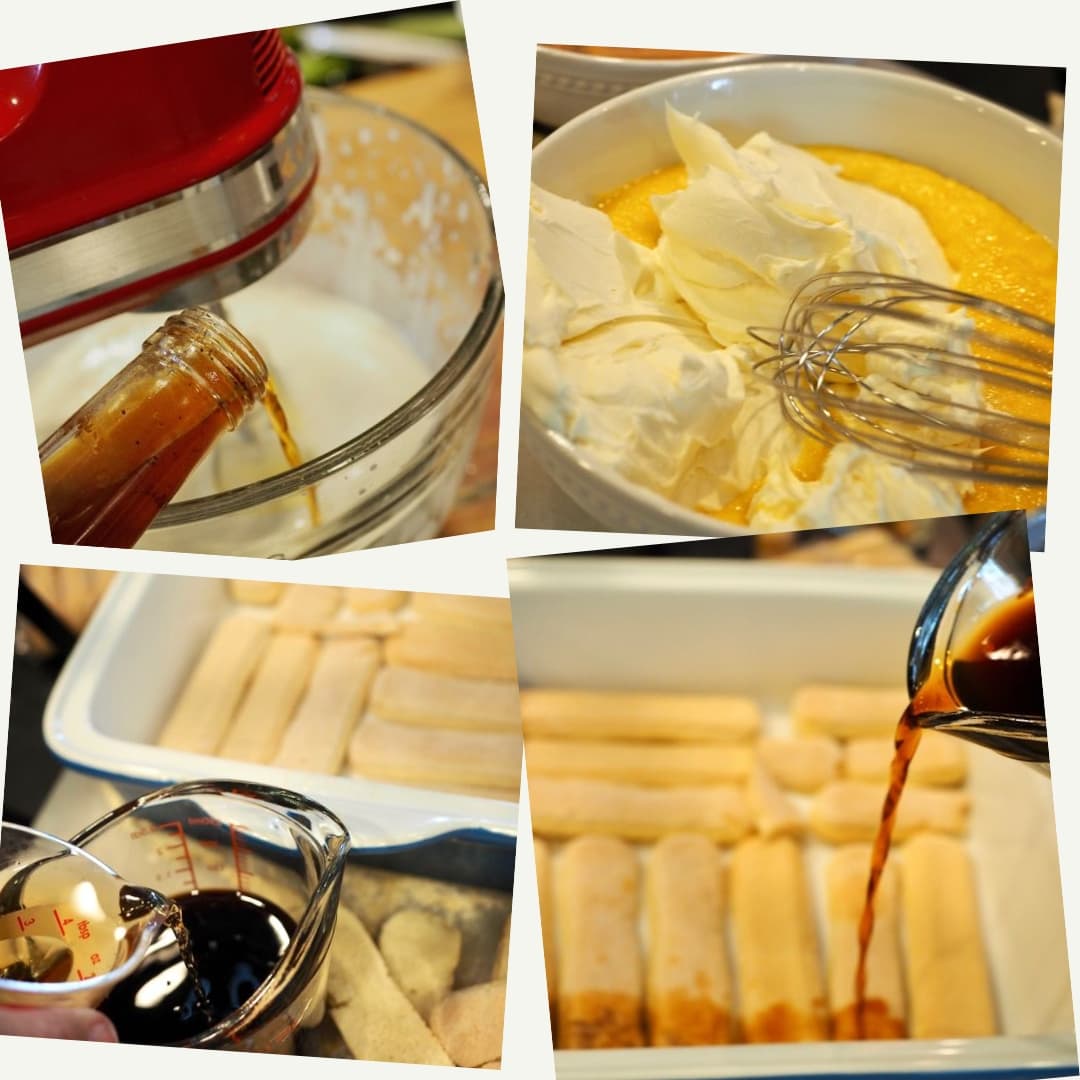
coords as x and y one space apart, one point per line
802 763
200 718
948 976
846 875
268 706
597 879
317 736
401 754
940 762
781 991
478 650
427 699
688 986
847 712
363 601
306 607
260 593
849 811
491 609
648 764
569 807
773 812
606 714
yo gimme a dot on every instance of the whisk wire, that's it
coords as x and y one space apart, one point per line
853 363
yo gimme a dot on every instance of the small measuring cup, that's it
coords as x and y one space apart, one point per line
993 568
70 927
255 840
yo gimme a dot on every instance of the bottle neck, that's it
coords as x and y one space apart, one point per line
216 356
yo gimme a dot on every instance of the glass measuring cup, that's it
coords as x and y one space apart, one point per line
991 572
264 843
70 927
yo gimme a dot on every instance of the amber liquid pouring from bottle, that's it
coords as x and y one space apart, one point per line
280 423
124 455
996 670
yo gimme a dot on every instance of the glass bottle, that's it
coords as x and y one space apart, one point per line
112 466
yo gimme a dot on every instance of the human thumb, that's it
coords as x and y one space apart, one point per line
57 1023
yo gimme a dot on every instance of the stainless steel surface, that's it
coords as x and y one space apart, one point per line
171 232
854 364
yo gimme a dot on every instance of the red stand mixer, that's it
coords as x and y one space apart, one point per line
158 178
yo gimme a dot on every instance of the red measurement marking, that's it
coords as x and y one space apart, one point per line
78 971
235 841
25 924
60 922
288 1029
184 858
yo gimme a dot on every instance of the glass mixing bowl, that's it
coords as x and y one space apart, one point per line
380 332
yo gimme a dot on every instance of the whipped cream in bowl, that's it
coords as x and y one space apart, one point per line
639 387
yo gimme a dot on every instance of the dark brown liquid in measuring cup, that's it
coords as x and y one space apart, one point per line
996 670
234 942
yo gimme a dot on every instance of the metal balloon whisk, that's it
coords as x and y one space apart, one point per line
936 379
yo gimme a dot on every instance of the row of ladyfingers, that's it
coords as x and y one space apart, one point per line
406 688
611 984
642 765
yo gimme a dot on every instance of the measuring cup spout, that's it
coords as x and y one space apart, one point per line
1022 738
973 664
69 931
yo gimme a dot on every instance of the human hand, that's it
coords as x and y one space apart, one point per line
59 1023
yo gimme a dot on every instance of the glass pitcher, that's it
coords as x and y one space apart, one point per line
997 703
252 843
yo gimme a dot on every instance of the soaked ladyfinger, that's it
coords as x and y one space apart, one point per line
948 976
846 874
781 990
597 881
688 986
606 714
546 895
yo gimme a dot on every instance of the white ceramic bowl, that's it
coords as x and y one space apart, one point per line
568 83
1007 157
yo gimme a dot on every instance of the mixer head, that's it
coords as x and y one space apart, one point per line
158 178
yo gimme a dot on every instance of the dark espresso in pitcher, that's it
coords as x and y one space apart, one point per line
235 942
995 670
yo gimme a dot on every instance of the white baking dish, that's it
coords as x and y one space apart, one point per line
116 689
763 628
